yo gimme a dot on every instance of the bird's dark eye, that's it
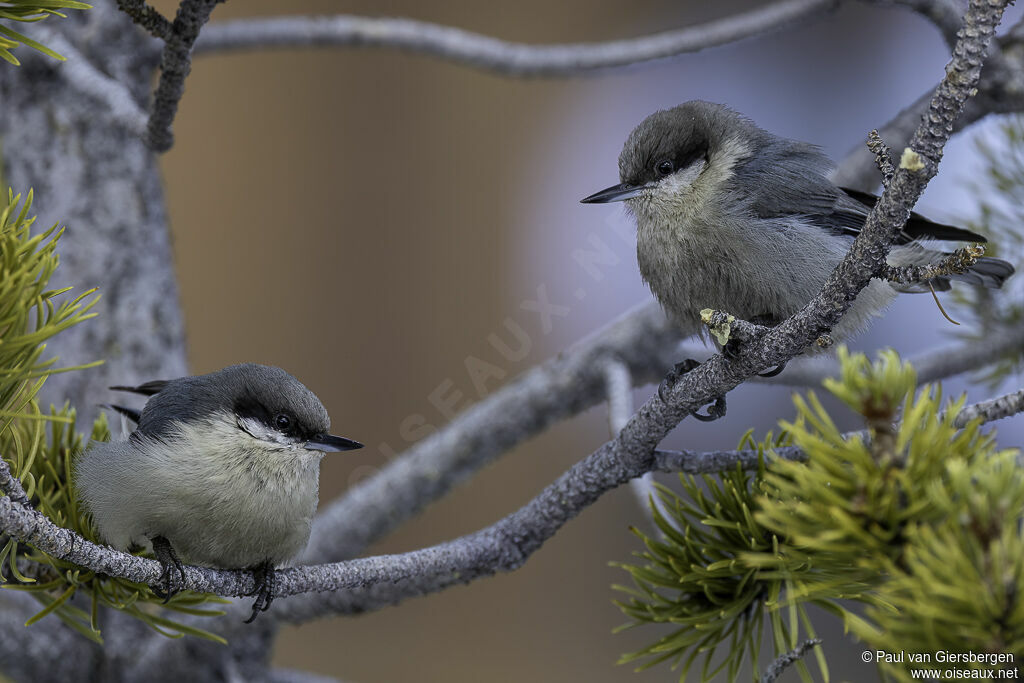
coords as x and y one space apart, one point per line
283 422
664 167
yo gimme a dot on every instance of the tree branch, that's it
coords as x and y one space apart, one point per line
147 17
999 92
992 409
491 54
179 37
373 582
507 544
564 386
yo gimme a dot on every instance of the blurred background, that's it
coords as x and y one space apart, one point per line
366 219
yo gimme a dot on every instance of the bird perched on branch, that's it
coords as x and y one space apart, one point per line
221 471
733 218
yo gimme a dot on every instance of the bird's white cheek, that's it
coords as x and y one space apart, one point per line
671 194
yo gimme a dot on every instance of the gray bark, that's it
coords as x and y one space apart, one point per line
100 180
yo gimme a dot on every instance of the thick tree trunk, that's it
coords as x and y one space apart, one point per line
102 182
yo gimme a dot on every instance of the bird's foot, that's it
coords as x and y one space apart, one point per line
774 371
265 577
674 374
168 559
715 411
731 350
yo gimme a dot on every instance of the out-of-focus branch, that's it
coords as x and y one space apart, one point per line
931 365
79 74
1000 91
543 396
49 652
484 52
945 14
992 409
618 385
642 340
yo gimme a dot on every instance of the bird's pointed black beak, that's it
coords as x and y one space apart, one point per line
615 193
331 443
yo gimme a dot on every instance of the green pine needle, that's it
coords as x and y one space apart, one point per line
30 11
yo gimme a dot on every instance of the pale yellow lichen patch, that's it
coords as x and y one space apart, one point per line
722 330
911 160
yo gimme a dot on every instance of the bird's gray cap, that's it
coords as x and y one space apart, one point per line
681 135
247 390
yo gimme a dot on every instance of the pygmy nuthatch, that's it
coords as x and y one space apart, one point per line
221 471
733 218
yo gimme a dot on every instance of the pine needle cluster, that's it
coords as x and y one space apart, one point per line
30 11
914 518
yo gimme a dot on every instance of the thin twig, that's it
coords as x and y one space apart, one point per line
726 327
492 54
147 17
787 659
1004 406
175 67
951 264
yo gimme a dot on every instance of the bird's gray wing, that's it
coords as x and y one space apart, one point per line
917 226
788 179
794 183
844 211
